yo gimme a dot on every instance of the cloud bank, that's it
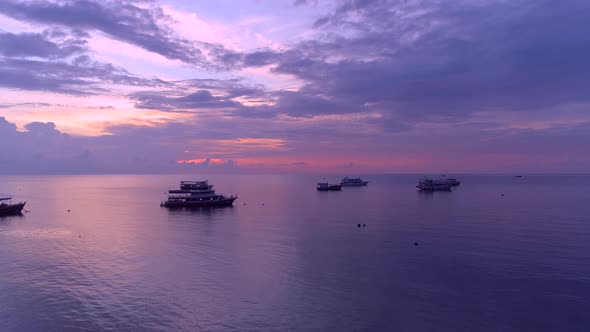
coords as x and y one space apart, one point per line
380 86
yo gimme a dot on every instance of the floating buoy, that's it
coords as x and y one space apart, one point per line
364 225
358 225
501 194
415 243
68 210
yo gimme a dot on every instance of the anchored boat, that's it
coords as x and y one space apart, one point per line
196 194
353 182
452 181
433 185
8 208
325 186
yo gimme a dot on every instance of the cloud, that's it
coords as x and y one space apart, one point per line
81 76
404 83
40 44
426 60
58 60
41 148
138 23
230 95
202 99
302 2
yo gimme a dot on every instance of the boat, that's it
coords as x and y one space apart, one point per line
353 182
8 208
196 194
452 181
325 186
433 185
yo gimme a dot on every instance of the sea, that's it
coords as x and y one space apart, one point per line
98 253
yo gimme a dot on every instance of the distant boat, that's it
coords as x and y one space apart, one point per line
518 176
353 182
196 194
433 185
452 181
8 208
325 186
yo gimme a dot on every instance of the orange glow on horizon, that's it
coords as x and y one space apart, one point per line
213 161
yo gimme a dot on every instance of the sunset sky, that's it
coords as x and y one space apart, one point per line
301 86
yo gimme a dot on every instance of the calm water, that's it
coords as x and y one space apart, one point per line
292 258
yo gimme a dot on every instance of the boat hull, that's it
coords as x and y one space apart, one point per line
11 209
434 188
364 183
331 188
197 204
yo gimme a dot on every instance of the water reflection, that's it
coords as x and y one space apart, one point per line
199 213
290 259
12 216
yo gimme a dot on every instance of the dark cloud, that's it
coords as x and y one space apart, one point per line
144 26
40 44
57 60
202 94
302 2
40 149
202 99
391 79
259 58
424 60
83 76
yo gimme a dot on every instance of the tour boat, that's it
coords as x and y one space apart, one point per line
434 185
196 194
325 186
452 181
353 182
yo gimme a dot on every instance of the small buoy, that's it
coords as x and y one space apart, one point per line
415 243
68 210
358 225
501 194
364 225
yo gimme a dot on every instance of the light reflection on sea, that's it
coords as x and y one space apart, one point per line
287 257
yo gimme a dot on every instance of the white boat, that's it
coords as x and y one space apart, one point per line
433 185
196 194
452 181
353 182
325 186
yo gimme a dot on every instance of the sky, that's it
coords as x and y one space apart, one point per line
294 86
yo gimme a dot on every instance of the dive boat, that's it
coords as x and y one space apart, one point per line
452 181
196 194
353 182
433 185
325 186
8 208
